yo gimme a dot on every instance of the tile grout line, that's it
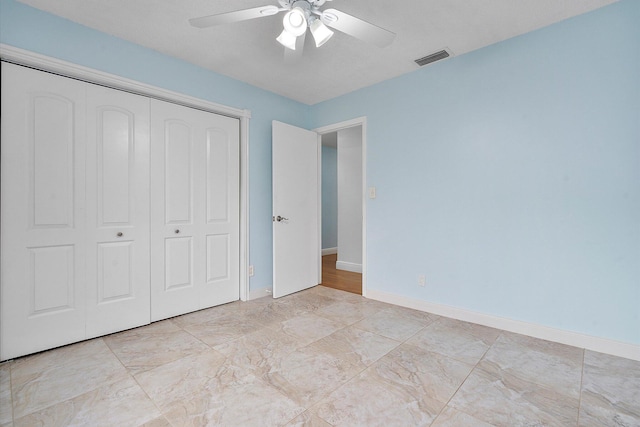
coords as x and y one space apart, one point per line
136 381
446 405
11 390
584 353
356 375
93 388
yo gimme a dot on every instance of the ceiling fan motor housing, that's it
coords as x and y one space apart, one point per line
312 3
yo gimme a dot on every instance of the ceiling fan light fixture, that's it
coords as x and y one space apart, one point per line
321 33
287 39
295 21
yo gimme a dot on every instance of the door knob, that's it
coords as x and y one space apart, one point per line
177 231
281 218
119 234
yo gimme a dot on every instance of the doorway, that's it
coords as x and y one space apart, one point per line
343 207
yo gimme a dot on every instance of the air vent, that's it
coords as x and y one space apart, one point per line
432 58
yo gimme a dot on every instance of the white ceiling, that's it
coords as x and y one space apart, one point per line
248 51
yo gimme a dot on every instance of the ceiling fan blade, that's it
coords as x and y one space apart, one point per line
230 17
293 56
357 27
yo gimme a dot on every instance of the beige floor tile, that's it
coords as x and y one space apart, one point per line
304 302
450 417
370 400
510 401
208 314
206 389
346 313
48 378
260 350
157 422
611 391
460 340
421 316
552 365
309 327
268 305
182 378
308 419
6 406
391 324
356 346
243 404
336 294
222 329
306 376
317 358
267 314
118 404
422 372
145 348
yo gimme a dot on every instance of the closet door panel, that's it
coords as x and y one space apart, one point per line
117 211
195 168
42 218
174 243
178 150
223 209
51 194
178 263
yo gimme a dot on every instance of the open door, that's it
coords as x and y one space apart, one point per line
296 242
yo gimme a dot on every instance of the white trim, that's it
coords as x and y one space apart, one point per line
319 204
602 345
68 69
342 125
359 121
259 293
349 266
244 207
329 251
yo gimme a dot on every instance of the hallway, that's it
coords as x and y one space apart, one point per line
339 279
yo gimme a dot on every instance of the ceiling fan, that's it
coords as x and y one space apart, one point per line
303 14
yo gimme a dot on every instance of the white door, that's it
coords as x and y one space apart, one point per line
296 242
117 211
43 218
194 209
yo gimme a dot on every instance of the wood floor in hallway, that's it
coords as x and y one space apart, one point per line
340 279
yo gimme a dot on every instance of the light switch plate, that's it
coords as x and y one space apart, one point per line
372 192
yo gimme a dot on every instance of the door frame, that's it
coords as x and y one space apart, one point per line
362 122
68 69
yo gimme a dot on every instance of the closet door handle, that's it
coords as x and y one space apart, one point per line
119 234
177 231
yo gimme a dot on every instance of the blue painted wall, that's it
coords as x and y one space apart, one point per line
329 197
513 173
41 32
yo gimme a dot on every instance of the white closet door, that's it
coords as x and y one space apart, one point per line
43 241
194 210
117 211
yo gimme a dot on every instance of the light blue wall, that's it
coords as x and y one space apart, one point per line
41 32
512 175
329 197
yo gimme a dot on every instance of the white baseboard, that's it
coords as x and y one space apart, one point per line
601 345
259 293
349 266
329 251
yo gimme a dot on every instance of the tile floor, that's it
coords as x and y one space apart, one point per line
320 357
